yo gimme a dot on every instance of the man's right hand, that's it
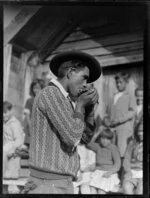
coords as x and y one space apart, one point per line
88 98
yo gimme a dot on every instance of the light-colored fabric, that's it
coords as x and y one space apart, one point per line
26 111
13 139
87 161
139 109
137 173
106 184
12 168
87 157
124 110
13 135
13 189
117 96
85 178
63 91
123 114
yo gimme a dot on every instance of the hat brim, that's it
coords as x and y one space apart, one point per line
90 61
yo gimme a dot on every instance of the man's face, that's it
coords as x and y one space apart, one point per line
77 81
139 97
121 84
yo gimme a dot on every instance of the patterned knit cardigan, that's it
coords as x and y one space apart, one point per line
55 129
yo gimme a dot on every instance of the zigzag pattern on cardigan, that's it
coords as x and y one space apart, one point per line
54 132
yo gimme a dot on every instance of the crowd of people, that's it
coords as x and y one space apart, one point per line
118 145
67 154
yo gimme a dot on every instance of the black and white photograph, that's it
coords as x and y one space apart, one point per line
73 99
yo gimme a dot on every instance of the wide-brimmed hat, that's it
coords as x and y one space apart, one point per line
90 61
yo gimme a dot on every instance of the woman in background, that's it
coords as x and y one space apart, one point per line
35 87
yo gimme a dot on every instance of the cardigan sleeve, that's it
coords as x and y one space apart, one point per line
68 124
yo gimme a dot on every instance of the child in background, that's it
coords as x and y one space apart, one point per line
105 178
133 164
122 112
139 109
13 139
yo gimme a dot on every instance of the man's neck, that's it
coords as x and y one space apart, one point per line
63 83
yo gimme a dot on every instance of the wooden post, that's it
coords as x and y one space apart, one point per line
28 74
6 68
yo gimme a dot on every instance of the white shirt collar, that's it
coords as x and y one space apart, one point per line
64 92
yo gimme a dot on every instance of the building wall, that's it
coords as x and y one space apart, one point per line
20 76
15 93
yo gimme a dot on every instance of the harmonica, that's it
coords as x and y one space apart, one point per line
85 89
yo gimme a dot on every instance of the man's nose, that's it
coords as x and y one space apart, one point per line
85 84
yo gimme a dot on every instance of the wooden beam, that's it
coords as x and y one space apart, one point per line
99 32
71 18
100 42
19 21
54 40
19 48
119 60
115 49
23 42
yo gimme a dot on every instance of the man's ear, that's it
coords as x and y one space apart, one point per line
70 71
